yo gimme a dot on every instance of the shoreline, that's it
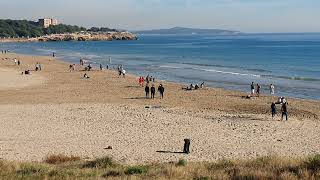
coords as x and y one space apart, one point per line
76 116
174 82
87 36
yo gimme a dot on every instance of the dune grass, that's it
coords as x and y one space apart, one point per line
72 167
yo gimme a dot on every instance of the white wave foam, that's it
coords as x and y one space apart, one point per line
227 72
170 67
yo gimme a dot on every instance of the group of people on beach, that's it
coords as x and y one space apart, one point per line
72 67
5 51
194 87
16 62
284 110
121 71
255 89
152 91
38 67
89 67
148 79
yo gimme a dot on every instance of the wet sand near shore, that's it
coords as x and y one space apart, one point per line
71 115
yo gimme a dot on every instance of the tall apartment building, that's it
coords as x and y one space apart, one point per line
46 22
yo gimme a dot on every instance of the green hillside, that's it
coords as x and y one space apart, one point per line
24 28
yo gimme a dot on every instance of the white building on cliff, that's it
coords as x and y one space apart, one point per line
46 22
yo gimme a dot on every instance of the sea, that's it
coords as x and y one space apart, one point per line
289 61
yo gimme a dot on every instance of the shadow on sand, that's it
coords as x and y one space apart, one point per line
170 152
135 98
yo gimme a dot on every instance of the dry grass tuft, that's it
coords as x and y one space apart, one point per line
260 168
60 158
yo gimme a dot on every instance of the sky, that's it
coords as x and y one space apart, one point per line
241 15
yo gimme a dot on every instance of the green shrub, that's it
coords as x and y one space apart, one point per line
181 162
112 173
313 163
100 163
60 173
136 170
221 164
202 178
32 170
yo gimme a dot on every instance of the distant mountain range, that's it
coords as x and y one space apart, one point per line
188 31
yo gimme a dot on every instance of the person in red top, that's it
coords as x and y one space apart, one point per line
140 81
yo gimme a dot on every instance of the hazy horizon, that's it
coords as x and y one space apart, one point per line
250 16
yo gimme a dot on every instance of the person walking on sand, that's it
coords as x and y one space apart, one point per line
161 90
153 91
19 62
284 111
123 73
271 89
273 109
258 90
147 90
101 68
37 66
252 88
15 61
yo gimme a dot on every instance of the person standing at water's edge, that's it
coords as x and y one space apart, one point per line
161 90
258 89
252 88
271 89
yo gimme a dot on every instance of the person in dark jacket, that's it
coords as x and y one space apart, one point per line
258 90
147 90
284 111
153 91
273 109
161 90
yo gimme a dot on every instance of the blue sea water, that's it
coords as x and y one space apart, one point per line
290 61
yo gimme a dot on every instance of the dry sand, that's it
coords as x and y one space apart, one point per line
63 113
11 79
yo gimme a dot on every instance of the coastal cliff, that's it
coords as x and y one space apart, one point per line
82 36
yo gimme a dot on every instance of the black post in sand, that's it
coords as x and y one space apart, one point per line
186 146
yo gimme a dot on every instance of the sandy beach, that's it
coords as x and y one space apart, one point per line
56 111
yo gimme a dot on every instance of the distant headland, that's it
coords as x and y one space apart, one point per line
188 31
47 29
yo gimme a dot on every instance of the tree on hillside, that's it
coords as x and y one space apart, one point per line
24 28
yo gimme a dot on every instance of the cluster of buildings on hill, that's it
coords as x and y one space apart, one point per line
46 22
